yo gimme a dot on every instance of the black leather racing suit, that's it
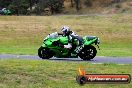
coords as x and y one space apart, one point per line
71 37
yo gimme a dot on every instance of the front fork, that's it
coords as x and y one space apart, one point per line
98 46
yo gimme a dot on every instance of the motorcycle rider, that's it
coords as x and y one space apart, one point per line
71 37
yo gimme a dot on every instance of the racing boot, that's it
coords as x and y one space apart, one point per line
73 55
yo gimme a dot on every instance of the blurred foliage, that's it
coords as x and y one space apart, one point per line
16 6
4 3
21 6
55 6
88 3
27 7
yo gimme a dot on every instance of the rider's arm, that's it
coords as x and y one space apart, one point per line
60 34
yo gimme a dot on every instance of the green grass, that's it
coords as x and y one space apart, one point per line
54 74
24 34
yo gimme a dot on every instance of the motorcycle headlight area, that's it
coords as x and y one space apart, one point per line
98 41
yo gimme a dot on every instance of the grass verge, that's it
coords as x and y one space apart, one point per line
54 74
24 34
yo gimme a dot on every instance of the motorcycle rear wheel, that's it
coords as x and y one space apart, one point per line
88 52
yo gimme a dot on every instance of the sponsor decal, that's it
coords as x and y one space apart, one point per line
83 78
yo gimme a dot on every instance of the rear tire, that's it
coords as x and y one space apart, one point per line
44 53
88 52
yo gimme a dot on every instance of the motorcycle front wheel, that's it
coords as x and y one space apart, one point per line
44 53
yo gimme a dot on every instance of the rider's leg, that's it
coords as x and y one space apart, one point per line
78 48
79 45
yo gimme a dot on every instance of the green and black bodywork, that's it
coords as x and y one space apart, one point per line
54 47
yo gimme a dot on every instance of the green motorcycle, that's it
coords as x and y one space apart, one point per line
53 47
5 12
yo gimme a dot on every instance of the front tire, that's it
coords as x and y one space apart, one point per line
88 52
44 53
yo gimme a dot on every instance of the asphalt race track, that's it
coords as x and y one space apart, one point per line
97 59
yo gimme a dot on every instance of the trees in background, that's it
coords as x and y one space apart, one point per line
77 3
32 2
19 6
72 3
39 6
35 6
5 3
42 6
55 6
16 6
